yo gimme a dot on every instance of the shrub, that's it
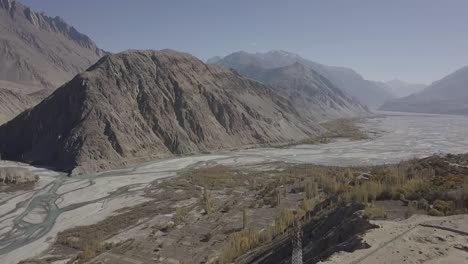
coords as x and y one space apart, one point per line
206 200
423 204
311 189
444 206
307 205
435 212
181 214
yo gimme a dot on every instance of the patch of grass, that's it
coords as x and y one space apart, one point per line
344 128
339 128
215 177
375 212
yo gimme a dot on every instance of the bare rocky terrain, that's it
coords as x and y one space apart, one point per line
12 103
38 53
39 49
139 105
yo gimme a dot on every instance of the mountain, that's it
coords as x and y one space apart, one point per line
446 96
401 89
12 103
213 60
38 54
311 93
252 65
138 105
39 50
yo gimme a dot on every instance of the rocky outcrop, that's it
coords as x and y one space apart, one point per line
340 230
139 105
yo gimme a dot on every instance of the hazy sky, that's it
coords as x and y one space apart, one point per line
413 40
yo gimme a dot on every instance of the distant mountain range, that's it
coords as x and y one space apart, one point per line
39 52
311 93
253 65
401 88
446 96
139 105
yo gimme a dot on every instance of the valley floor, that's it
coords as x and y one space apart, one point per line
31 219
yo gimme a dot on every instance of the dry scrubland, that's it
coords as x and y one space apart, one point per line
220 214
339 128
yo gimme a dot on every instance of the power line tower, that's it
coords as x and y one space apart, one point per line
296 241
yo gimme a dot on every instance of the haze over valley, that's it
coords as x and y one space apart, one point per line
227 133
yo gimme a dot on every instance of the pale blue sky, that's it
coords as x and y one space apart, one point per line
414 40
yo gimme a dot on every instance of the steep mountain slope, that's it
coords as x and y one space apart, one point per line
12 103
311 92
39 51
446 96
251 65
138 105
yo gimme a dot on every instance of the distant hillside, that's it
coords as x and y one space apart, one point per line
311 92
252 65
12 103
139 105
39 52
446 96
401 88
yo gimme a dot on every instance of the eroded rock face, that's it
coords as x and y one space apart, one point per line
341 230
139 105
15 175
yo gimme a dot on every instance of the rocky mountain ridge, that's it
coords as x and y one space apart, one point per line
401 88
253 64
446 96
138 105
40 50
311 92
39 53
